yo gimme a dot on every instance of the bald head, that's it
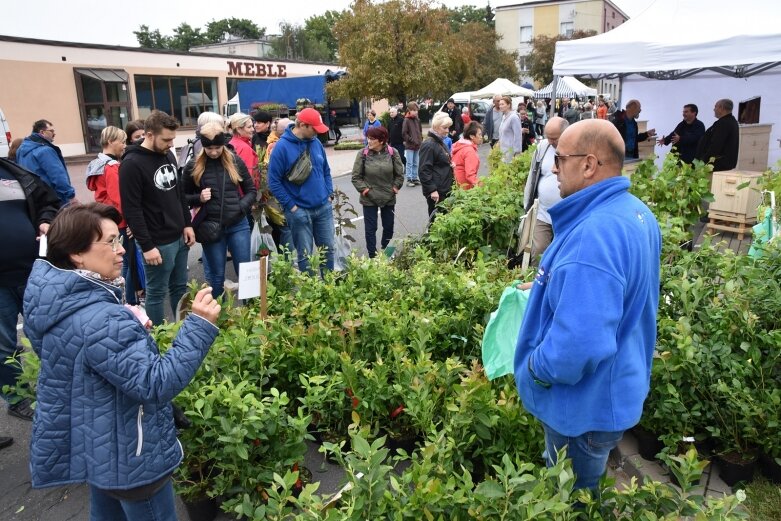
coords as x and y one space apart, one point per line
596 152
553 129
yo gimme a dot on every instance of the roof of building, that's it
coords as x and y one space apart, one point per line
124 48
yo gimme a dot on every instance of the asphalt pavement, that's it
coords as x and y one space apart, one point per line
19 502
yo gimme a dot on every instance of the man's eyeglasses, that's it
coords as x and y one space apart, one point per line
115 243
557 158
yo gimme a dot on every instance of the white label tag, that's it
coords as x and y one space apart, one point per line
42 246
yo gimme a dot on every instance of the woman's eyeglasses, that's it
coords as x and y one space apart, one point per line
115 243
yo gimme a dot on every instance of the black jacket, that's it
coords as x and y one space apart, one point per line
458 123
152 199
395 131
42 201
236 206
620 122
721 142
690 136
435 170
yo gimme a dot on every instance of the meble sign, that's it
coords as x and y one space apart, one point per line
259 70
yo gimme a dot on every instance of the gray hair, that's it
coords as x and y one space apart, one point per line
441 119
210 117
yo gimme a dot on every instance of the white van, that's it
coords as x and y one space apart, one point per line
5 135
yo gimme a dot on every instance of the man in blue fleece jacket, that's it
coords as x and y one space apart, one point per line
583 359
307 206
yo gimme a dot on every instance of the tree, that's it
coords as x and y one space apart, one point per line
238 27
477 65
540 60
466 14
399 49
185 36
320 28
295 43
151 39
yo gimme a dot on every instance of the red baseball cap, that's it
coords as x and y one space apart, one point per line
311 117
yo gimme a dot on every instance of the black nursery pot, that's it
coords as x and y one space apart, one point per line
648 444
735 468
407 442
204 509
770 469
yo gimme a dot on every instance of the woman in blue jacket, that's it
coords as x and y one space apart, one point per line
371 121
104 392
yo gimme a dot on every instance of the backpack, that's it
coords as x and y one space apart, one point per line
365 153
185 154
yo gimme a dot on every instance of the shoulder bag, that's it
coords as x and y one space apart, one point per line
299 172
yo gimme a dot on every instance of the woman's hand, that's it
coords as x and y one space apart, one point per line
206 194
434 196
205 306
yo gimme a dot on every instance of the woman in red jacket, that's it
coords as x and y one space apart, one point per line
242 126
466 162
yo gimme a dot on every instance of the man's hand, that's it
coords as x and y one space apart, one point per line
205 306
675 138
43 228
189 236
129 233
660 141
206 195
153 257
652 133
524 286
434 196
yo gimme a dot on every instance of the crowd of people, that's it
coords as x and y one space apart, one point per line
103 259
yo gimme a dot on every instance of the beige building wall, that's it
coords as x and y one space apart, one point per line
546 20
39 82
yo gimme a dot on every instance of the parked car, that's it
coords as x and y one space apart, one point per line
478 108
5 135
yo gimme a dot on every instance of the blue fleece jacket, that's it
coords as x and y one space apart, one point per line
583 359
318 186
38 155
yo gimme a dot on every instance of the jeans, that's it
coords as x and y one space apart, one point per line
310 227
370 226
400 149
235 238
159 507
588 453
411 168
169 277
10 307
131 283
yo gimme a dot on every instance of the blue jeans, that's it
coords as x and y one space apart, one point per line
310 227
235 238
169 277
588 453
10 307
370 226
160 507
411 168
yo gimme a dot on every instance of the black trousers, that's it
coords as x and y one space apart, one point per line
370 226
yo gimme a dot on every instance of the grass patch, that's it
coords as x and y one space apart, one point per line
763 500
349 145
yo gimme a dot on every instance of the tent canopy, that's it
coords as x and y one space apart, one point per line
567 87
678 38
502 87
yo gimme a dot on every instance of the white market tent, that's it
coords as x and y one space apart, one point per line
688 51
567 86
502 87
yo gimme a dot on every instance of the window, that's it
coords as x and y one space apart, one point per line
184 98
526 33
614 15
523 63
567 28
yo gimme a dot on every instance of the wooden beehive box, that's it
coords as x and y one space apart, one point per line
754 147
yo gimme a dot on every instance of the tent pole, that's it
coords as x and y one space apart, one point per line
553 97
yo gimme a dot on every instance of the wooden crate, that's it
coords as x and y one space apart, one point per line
754 147
730 200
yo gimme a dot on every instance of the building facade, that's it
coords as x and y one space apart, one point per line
518 24
81 88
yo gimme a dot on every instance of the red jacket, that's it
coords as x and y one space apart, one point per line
244 149
466 163
105 183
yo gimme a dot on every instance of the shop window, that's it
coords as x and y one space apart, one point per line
183 97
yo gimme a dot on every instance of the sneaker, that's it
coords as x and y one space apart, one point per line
417 182
6 441
410 183
22 410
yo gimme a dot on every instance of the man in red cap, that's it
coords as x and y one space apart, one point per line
300 178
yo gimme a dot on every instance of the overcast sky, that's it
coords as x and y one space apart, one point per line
113 23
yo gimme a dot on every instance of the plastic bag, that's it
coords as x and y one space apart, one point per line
261 238
342 249
501 333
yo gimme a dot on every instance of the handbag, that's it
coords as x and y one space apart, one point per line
299 172
211 231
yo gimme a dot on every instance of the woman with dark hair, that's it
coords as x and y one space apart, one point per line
15 144
371 122
466 162
104 392
378 175
134 131
217 181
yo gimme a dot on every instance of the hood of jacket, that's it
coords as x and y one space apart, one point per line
53 294
461 145
97 165
34 142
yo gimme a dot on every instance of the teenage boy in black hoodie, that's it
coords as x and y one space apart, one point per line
156 211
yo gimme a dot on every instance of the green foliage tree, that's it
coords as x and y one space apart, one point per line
150 39
320 28
239 27
186 36
296 43
475 65
467 14
543 51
